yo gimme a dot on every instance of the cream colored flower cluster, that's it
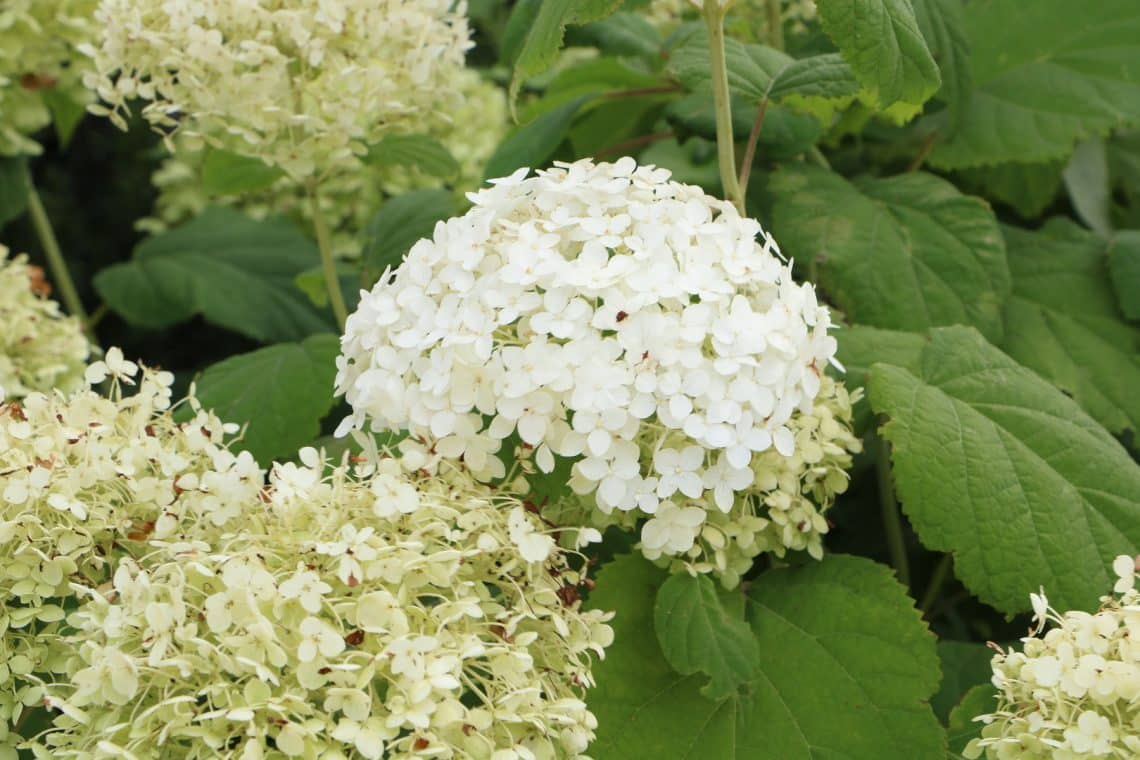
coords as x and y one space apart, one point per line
352 615
85 480
302 84
1074 692
40 64
632 325
349 198
40 348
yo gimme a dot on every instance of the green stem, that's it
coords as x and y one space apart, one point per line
941 570
775 24
726 151
328 266
892 518
817 157
56 263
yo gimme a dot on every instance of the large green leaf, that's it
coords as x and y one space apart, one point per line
414 151
1062 321
943 26
1124 266
543 36
699 634
13 188
994 464
844 668
226 173
398 224
904 253
280 392
882 42
1028 188
236 272
1072 72
861 346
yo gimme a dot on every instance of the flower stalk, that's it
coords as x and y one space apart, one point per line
892 518
328 266
726 151
55 260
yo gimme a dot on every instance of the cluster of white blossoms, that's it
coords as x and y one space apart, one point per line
351 197
1074 692
85 479
40 66
634 325
161 599
301 84
40 348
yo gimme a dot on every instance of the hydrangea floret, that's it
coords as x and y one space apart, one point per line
1075 691
85 479
41 67
302 84
635 326
40 347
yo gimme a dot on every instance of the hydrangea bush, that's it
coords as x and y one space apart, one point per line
595 468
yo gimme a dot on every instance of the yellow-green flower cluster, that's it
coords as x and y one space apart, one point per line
40 348
1074 692
362 613
40 64
85 480
348 198
305 85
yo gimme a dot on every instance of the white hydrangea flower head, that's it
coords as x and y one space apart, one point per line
1075 691
85 480
365 613
40 347
39 41
305 85
633 325
351 197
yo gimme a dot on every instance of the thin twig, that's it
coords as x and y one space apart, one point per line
750 149
923 152
637 142
56 263
328 266
892 518
941 570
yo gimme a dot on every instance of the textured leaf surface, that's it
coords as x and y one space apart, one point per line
861 346
844 669
543 38
882 42
282 392
1028 188
1124 265
943 26
1062 321
398 224
236 272
698 634
994 464
1073 73
905 253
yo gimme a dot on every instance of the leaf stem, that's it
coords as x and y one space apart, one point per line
937 579
923 152
726 150
892 518
56 263
750 148
328 266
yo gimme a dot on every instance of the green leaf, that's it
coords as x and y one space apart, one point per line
1124 266
414 151
943 26
785 134
226 173
625 34
1086 179
819 85
281 392
905 253
977 701
994 464
1062 321
530 145
861 346
751 68
698 635
398 224
13 188
882 42
1028 188
965 664
312 284
236 272
66 112
543 37
1073 74
844 668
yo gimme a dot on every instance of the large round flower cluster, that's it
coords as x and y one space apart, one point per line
1075 692
40 348
39 54
302 84
603 313
349 198
353 615
85 479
